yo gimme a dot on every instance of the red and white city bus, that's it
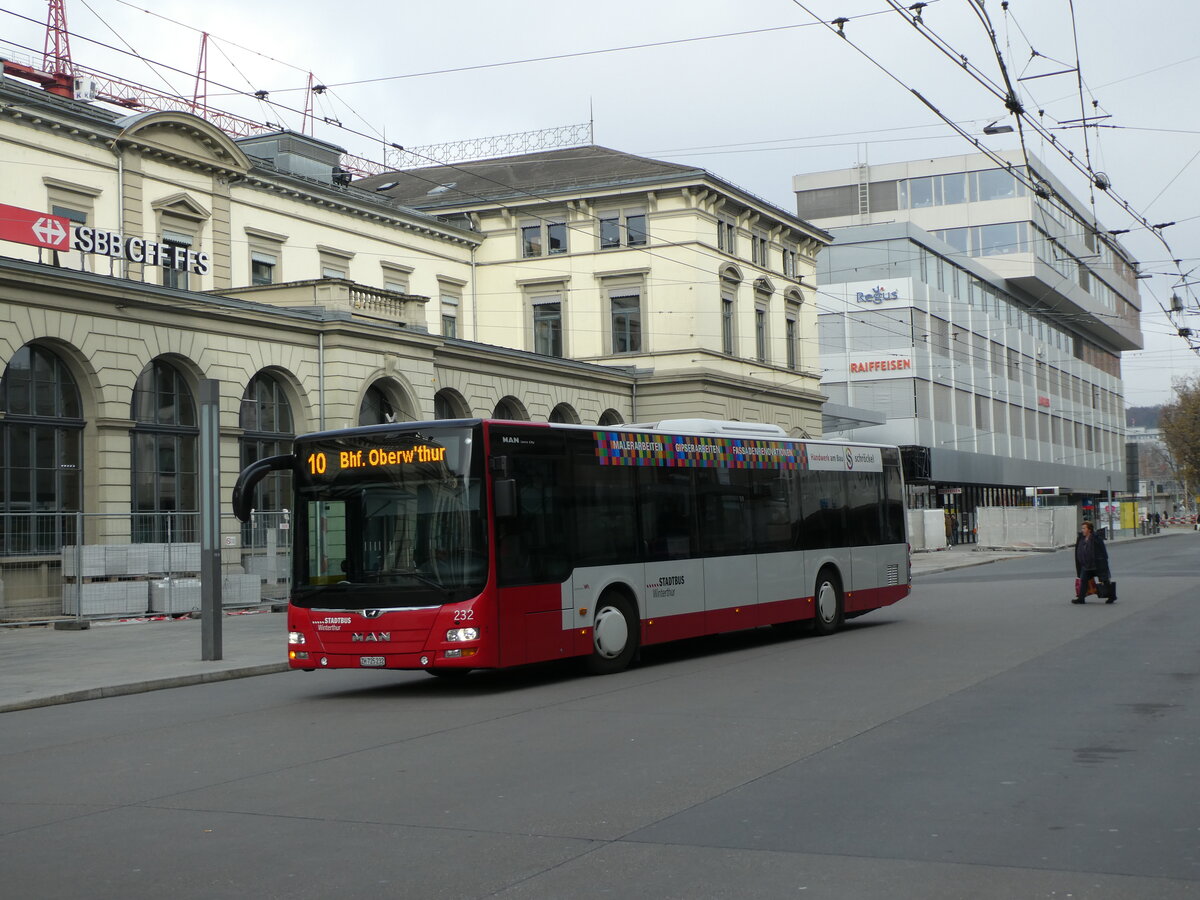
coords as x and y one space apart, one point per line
462 544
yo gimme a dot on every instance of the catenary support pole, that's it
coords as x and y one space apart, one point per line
210 519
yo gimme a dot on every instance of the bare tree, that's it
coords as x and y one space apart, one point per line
1180 424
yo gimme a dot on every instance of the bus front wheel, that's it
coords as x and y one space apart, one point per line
614 635
830 611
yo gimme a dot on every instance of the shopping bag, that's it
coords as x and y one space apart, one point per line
1091 587
1107 591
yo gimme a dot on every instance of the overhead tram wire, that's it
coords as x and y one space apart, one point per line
1000 162
170 87
839 30
1012 102
412 173
703 269
517 62
1020 113
1095 177
1014 106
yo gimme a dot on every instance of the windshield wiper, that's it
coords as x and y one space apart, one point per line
413 573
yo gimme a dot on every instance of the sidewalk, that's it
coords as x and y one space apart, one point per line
40 666
929 562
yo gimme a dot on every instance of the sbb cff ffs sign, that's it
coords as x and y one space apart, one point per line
139 250
27 226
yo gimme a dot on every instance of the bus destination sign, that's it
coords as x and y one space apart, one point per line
320 462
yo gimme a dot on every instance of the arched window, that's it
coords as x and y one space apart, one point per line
449 404
165 467
41 450
791 325
564 412
730 279
376 408
610 417
510 408
267 430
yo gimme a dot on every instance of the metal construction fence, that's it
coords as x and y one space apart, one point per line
95 566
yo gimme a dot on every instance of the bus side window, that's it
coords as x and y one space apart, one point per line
823 504
605 511
667 514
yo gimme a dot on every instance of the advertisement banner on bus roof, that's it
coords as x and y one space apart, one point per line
844 459
623 448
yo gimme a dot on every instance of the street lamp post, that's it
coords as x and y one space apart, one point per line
1110 509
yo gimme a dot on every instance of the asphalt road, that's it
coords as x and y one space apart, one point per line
985 739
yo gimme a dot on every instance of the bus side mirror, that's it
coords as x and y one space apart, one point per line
504 496
243 490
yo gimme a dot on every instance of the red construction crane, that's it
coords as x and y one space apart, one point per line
61 76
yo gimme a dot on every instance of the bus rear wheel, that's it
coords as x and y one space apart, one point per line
827 598
615 631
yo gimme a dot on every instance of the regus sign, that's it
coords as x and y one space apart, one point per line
876 295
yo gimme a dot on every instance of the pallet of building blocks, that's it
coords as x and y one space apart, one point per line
105 598
174 596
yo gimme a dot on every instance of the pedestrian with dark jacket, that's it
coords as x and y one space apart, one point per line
1091 560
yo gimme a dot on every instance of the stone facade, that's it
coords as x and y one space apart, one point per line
350 302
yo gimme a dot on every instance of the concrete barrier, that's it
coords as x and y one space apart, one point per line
1027 527
927 529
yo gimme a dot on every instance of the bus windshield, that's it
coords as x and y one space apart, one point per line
389 518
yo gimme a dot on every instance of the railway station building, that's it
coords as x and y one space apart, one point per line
145 255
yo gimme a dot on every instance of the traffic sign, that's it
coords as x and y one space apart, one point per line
28 226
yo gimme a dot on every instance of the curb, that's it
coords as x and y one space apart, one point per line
141 687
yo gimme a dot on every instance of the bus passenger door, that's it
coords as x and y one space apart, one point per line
675 586
533 548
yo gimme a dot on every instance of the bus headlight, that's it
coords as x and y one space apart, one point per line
462 634
295 637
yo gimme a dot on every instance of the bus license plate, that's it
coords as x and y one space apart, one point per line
370 661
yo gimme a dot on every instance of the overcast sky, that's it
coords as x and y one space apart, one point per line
755 91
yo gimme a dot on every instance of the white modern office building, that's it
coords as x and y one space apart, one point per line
977 315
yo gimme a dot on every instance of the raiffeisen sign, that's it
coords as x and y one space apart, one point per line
38 229
880 368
